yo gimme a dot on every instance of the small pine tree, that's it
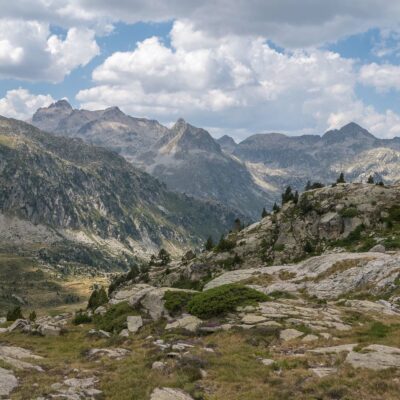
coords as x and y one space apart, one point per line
209 245
237 225
14 314
264 213
370 180
164 257
275 207
296 197
97 298
341 178
308 186
287 195
32 316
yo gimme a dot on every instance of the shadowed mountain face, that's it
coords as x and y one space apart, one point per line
55 189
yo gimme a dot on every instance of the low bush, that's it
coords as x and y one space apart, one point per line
82 317
176 302
223 299
114 320
349 212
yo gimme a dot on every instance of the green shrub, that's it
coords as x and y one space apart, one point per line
81 317
223 299
97 298
224 245
279 247
176 302
114 320
14 314
349 212
394 215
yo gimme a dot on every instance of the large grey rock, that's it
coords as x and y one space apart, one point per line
18 324
8 382
290 334
378 248
134 323
169 394
376 357
187 322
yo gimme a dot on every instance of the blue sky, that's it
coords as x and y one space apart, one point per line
264 66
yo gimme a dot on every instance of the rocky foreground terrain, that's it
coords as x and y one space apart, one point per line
325 324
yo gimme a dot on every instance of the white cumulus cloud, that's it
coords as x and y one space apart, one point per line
29 51
21 104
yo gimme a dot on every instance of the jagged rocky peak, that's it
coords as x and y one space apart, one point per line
227 143
113 112
186 137
350 130
48 118
61 104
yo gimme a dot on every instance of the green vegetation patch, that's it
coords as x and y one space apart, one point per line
223 299
349 212
177 302
114 320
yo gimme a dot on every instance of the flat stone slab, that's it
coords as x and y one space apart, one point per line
169 394
375 357
252 319
334 349
116 353
321 372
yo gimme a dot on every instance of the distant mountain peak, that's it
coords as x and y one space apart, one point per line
113 112
350 130
61 104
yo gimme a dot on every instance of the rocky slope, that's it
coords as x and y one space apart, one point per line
59 191
353 217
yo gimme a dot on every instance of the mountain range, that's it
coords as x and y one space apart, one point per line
59 195
245 176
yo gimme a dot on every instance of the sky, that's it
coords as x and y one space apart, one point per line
233 67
